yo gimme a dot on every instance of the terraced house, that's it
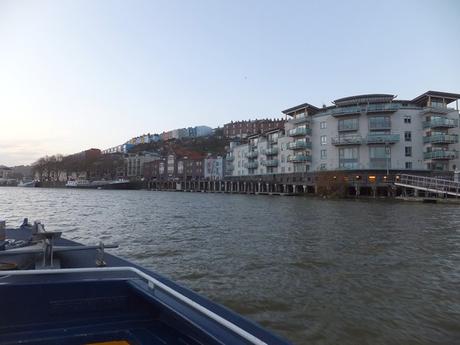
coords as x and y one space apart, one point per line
374 132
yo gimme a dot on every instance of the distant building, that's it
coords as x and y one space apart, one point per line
5 171
179 164
134 163
213 168
243 129
124 148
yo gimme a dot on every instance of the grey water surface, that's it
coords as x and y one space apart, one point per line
314 271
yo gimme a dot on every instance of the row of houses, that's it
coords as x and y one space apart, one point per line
180 133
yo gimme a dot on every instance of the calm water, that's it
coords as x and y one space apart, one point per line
314 271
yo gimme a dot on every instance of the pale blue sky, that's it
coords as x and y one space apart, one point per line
81 74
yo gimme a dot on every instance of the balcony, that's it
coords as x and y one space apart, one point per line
270 163
346 111
271 151
300 119
252 154
347 140
382 138
440 154
299 158
437 110
348 127
251 165
301 131
299 145
441 139
440 122
382 108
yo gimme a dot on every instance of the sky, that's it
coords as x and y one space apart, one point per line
94 73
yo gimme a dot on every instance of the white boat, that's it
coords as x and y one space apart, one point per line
27 183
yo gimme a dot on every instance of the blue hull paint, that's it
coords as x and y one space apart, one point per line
81 308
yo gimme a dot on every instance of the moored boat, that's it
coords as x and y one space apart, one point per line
56 291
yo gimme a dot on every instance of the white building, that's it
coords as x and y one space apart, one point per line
366 132
213 168
134 162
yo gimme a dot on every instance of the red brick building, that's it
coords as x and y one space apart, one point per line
179 164
243 129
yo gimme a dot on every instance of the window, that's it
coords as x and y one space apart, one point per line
408 151
407 136
407 119
379 122
322 166
408 165
323 154
323 125
323 140
349 124
379 157
348 158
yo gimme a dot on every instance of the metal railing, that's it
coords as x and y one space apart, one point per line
270 163
252 154
251 165
300 144
440 122
431 184
271 151
347 140
382 138
299 131
152 283
299 158
440 154
441 139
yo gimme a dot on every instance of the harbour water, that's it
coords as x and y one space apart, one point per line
315 271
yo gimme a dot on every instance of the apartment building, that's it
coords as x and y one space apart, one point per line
364 132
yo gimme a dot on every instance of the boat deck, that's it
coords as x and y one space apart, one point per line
112 304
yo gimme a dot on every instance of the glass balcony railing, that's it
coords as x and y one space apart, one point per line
299 158
299 118
252 154
251 165
440 122
437 110
298 145
382 107
346 110
271 151
440 154
348 127
371 108
347 140
301 131
441 139
382 138
270 163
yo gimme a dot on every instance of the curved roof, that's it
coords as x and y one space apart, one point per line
369 98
